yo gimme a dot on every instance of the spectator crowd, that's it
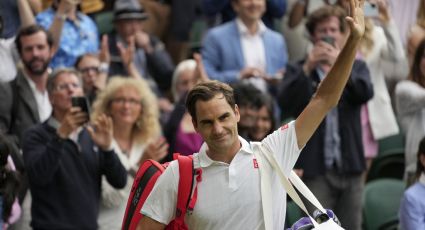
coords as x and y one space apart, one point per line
134 63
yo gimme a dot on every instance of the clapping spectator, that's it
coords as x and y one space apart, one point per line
136 138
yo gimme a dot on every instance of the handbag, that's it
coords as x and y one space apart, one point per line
262 155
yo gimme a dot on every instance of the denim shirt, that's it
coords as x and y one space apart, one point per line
77 38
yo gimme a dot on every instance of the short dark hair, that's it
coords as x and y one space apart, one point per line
421 151
205 91
30 30
416 74
247 95
322 14
81 57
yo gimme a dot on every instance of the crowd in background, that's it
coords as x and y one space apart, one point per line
135 76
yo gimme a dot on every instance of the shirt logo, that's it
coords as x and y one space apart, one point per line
255 163
284 127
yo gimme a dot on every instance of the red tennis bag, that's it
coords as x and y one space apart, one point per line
143 184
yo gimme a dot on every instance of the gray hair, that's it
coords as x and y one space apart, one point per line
185 65
51 81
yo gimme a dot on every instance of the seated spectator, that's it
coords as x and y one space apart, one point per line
410 102
136 138
10 210
412 207
74 33
245 49
151 59
66 160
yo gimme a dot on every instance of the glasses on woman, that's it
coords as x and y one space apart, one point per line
122 101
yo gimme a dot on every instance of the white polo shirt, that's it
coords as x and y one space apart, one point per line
229 194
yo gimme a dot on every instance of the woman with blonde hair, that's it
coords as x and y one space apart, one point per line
380 45
137 137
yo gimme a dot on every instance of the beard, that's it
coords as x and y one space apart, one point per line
35 68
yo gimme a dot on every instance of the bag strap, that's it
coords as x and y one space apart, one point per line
184 200
289 187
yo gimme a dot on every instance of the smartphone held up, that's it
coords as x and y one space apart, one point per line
82 103
370 9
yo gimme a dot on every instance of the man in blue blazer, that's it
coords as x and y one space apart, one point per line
245 48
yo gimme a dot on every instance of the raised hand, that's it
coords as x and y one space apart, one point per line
200 72
356 18
127 53
101 132
73 119
104 54
384 13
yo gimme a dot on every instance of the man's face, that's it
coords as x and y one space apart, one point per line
217 123
128 27
251 10
328 28
67 85
89 68
36 53
248 116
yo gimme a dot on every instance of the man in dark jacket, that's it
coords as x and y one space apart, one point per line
333 159
65 162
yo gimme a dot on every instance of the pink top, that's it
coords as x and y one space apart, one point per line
187 143
370 145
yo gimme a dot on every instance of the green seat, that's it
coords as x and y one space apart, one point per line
381 201
390 165
104 22
293 213
391 144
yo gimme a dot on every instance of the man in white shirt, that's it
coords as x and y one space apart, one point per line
229 193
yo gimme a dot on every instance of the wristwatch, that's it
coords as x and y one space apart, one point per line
61 17
104 67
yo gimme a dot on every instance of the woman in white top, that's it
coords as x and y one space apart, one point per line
137 137
381 45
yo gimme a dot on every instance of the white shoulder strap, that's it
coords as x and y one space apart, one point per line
288 186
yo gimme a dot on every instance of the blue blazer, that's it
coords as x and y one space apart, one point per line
222 52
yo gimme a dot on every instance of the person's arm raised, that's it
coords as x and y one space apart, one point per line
331 88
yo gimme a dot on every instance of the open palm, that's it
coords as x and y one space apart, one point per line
356 18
